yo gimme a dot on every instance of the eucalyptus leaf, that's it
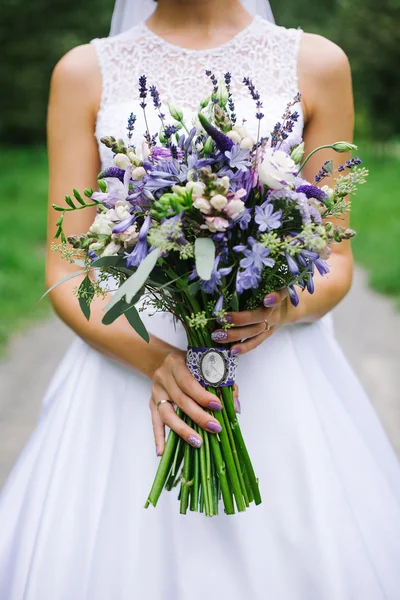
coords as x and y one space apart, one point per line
63 280
118 309
136 281
136 322
194 288
107 261
204 251
85 296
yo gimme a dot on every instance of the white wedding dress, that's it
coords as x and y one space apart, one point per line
72 522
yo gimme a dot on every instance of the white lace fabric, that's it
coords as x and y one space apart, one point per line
263 51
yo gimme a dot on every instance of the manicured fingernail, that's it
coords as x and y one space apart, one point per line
219 336
238 408
214 427
236 351
215 405
269 301
157 449
194 441
225 319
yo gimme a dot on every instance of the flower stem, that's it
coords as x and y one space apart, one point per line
327 146
194 498
185 480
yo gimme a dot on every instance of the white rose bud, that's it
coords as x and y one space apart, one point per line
122 161
241 130
218 202
101 225
138 173
203 205
175 112
297 153
277 169
234 136
247 142
328 191
111 249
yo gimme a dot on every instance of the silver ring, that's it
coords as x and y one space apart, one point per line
162 402
267 325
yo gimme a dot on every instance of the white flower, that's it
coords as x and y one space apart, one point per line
96 246
120 212
138 173
128 236
215 224
234 136
203 205
102 225
111 249
247 142
224 184
197 188
277 169
328 191
122 161
234 208
218 201
241 130
134 158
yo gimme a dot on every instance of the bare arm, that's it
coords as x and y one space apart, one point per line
74 162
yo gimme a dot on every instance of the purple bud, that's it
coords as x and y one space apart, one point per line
294 299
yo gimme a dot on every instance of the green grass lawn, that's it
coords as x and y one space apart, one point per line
23 185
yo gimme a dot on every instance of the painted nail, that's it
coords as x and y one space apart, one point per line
225 319
269 301
219 336
157 449
215 405
194 441
236 351
214 427
238 408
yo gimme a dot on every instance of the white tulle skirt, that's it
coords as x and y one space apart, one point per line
72 522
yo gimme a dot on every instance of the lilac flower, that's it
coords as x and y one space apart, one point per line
219 305
266 218
113 172
310 285
140 251
247 280
244 219
160 153
116 190
256 258
221 140
238 158
215 281
123 226
322 266
131 125
294 299
312 191
143 90
293 266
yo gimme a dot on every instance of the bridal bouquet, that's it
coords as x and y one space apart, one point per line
199 221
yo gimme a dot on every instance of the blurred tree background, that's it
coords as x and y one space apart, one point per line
34 36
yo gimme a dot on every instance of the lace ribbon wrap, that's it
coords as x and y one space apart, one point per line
215 367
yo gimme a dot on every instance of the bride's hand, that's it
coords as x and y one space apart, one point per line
173 381
254 326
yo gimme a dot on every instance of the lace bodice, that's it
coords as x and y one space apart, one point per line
262 51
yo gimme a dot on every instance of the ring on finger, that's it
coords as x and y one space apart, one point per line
267 325
162 402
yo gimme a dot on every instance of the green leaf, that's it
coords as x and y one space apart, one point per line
118 309
204 251
235 302
136 322
136 281
194 288
87 290
107 261
78 197
63 280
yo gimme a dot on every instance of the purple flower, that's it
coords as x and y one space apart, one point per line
294 299
116 190
244 219
123 226
310 285
221 140
256 258
140 251
238 158
219 305
292 264
161 153
312 191
215 281
247 280
266 218
113 172
322 266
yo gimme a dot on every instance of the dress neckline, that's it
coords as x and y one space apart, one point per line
237 37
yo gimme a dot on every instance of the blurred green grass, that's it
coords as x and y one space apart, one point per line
375 216
23 185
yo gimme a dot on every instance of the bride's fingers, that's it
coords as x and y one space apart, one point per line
170 418
158 428
252 343
236 334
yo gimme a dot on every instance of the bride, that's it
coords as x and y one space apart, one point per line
72 521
